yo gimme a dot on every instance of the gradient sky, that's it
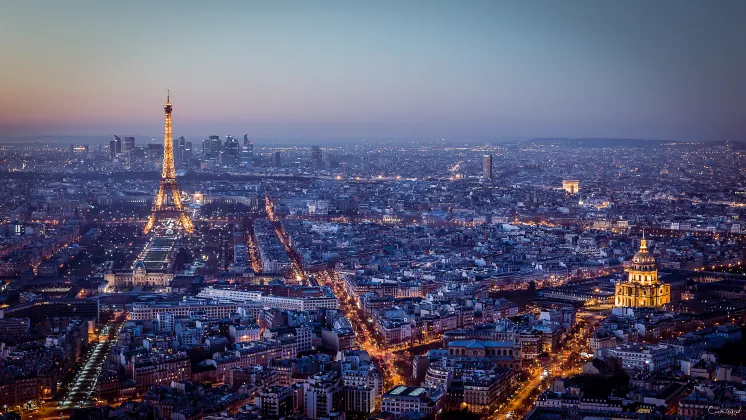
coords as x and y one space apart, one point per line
376 69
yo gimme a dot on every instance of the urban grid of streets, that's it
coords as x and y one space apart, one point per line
384 357
81 389
565 362
79 392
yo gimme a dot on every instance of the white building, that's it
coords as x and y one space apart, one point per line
148 311
165 321
325 300
320 393
642 357
402 399
244 333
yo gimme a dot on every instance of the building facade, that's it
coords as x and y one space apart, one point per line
402 399
642 288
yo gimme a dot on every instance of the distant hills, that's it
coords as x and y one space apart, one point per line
591 142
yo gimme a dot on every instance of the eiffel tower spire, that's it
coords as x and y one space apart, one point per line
168 182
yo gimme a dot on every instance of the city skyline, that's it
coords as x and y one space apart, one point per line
487 70
484 210
379 280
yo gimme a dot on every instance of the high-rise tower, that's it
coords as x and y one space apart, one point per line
128 144
487 167
180 147
115 147
232 152
161 209
247 151
316 158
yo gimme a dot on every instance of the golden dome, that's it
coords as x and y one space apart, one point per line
642 261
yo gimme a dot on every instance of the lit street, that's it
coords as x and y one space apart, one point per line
564 363
366 332
80 391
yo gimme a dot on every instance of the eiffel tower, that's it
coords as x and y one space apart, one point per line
163 212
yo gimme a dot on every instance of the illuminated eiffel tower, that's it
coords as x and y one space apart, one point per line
163 212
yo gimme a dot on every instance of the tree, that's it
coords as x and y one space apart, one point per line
532 287
462 414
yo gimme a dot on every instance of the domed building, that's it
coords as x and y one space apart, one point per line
138 276
642 288
153 268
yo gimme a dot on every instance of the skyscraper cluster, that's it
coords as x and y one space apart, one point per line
230 153
119 145
183 152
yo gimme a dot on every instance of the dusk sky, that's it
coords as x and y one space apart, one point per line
376 69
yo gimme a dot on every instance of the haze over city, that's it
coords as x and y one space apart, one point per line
394 70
